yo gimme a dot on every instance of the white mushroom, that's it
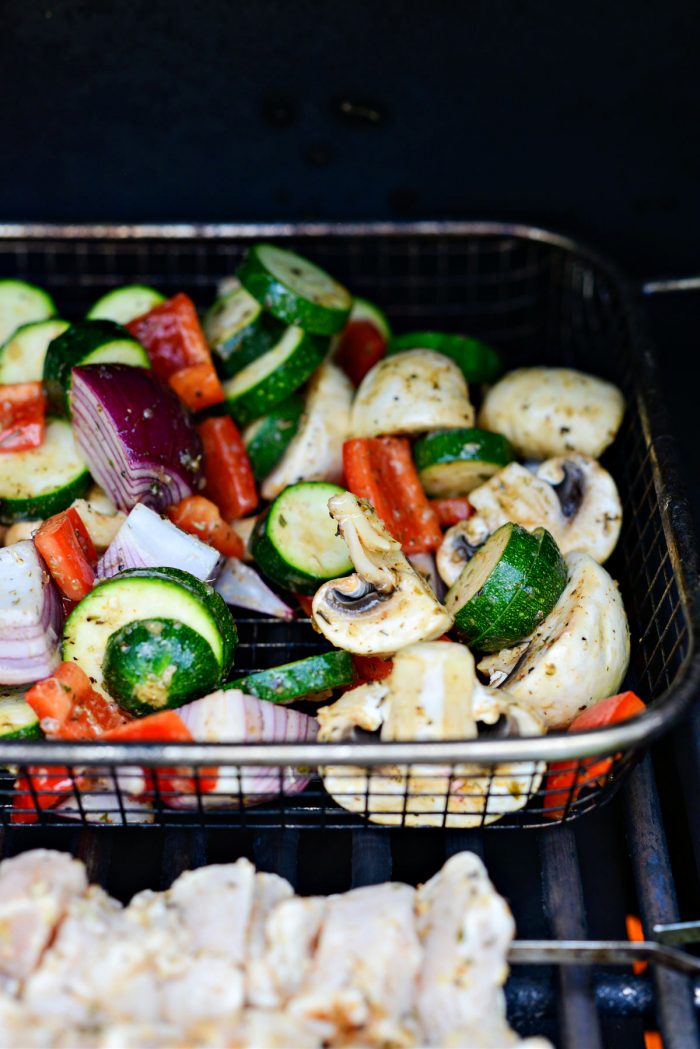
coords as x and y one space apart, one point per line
577 655
431 694
571 496
552 411
315 453
412 392
385 604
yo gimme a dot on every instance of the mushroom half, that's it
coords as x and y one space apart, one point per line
577 655
571 496
431 694
553 411
385 604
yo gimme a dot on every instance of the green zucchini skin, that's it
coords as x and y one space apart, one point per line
17 719
477 361
239 331
272 378
57 463
125 304
453 462
20 304
287 541
364 310
267 439
302 678
88 342
519 577
156 664
295 290
22 356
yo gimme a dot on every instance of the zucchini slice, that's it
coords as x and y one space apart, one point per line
22 356
147 593
295 290
508 587
17 719
239 331
270 379
267 439
21 303
304 677
477 361
155 664
88 342
125 304
453 462
296 543
364 310
42 481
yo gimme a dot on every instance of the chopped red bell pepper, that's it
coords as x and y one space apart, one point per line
22 416
452 511
201 517
172 336
305 602
65 544
372 668
229 476
69 708
41 788
635 934
565 780
197 386
381 470
165 727
360 347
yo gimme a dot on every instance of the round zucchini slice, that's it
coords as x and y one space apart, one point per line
296 543
42 481
17 719
22 356
125 304
295 290
89 342
478 362
21 303
154 664
267 439
453 462
507 588
239 331
364 310
304 677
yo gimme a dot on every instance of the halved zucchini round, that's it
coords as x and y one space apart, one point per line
17 719
267 439
21 303
42 481
22 356
478 362
239 331
453 462
125 304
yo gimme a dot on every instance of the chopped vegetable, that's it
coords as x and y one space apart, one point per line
69 708
41 788
197 386
172 335
125 304
453 462
452 511
239 331
201 517
477 361
21 303
381 470
65 544
17 719
147 540
240 585
39 482
22 416
363 340
267 438
303 677
229 476
164 727
30 616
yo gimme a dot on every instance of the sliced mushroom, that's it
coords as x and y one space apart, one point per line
572 496
431 694
426 566
577 655
315 453
385 604
412 392
20 530
552 411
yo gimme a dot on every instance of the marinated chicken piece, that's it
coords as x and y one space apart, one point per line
36 889
553 411
291 932
578 654
269 891
260 1029
353 986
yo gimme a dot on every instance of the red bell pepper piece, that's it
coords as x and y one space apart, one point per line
635 934
452 511
69 708
65 544
201 517
197 386
41 788
305 602
360 347
372 668
165 727
172 336
565 780
381 470
22 416
229 476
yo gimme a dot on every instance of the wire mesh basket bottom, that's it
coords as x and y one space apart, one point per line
541 300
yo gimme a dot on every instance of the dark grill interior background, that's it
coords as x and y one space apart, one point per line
578 117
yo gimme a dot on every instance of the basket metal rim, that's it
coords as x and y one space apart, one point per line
675 512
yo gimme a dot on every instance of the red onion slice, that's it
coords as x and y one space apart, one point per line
147 540
31 616
137 438
240 585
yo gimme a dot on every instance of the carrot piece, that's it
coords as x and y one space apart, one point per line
381 470
22 416
172 336
201 517
197 386
229 476
635 934
360 347
452 511
65 544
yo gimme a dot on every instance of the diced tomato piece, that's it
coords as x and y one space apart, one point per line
172 336
22 416
381 470
452 511
566 780
360 347
201 517
65 544
197 386
227 469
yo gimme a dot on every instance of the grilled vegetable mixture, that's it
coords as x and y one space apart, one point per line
287 453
